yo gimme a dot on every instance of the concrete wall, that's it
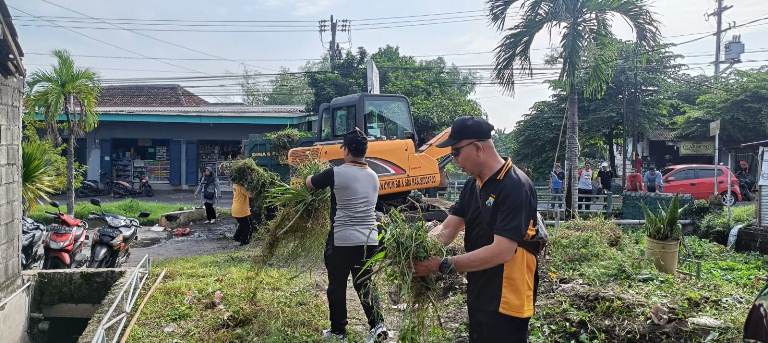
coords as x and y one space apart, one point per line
13 315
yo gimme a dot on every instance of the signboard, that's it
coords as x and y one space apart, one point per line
688 148
714 128
373 77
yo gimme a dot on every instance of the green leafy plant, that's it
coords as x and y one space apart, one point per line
256 180
664 226
301 223
284 140
38 178
404 242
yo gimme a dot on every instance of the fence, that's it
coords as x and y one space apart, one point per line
114 320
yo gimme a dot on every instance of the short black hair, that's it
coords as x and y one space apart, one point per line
356 143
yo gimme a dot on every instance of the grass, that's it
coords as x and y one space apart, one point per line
260 304
715 225
610 288
128 207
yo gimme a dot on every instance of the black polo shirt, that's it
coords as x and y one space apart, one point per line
504 205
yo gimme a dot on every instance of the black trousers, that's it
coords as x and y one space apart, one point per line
210 213
495 327
340 262
585 199
244 230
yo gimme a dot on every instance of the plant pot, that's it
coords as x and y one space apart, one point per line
663 254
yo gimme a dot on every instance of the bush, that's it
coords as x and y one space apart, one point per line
696 211
714 226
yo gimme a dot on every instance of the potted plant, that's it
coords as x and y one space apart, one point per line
663 234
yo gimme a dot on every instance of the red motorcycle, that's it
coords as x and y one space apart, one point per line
64 241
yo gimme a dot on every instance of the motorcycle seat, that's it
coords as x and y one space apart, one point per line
129 233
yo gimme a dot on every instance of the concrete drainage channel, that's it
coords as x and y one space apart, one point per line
82 305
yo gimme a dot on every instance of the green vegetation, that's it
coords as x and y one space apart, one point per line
284 140
664 226
715 225
37 174
301 224
405 242
129 208
258 304
598 287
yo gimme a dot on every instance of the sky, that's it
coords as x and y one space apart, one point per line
463 36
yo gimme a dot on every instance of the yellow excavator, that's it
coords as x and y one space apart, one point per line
392 147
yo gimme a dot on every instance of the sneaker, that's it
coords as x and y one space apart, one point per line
333 337
213 221
377 334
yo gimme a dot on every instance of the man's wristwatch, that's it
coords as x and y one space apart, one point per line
446 266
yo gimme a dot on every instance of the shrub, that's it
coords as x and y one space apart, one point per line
714 226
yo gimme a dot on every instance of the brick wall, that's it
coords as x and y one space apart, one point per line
10 183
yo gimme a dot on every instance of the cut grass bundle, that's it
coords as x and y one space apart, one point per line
403 243
302 222
254 179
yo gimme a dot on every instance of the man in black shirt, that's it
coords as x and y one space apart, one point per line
606 176
497 211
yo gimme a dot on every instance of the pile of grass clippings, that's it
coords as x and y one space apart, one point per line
302 221
404 242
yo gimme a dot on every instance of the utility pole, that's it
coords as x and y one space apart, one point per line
718 13
334 51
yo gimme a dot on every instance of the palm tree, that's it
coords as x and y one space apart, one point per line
37 175
65 94
586 38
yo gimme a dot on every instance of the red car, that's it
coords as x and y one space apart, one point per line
698 181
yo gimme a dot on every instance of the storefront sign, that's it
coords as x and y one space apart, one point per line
696 148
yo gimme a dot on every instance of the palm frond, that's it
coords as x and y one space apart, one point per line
497 12
37 175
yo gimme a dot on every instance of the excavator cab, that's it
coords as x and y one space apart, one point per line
380 116
386 120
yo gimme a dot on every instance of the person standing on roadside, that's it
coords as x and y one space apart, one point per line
557 177
605 176
353 238
497 211
585 185
208 189
241 211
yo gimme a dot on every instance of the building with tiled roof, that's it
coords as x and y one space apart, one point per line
160 95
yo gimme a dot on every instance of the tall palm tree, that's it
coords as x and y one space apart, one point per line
584 27
66 95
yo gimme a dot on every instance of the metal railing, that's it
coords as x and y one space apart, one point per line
114 320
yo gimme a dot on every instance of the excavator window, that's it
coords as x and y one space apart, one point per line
344 120
325 126
387 118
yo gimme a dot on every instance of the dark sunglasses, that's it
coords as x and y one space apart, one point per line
456 151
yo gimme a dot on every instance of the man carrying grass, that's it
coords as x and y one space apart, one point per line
353 238
497 211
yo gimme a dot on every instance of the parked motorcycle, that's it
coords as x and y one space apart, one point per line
91 188
32 234
125 189
64 241
110 247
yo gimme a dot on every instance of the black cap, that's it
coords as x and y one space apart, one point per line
467 128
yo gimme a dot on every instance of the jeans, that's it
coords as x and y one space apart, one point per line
585 199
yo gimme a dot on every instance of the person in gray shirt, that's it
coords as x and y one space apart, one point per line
353 238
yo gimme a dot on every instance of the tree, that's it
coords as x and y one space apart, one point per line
287 88
438 93
70 92
586 34
740 101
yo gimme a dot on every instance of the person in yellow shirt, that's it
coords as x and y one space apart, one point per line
241 211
